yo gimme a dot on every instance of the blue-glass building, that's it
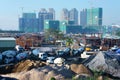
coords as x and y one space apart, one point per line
51 24
74 29
45 15
94 16
28 23
63 25
91 16
83 17
73 15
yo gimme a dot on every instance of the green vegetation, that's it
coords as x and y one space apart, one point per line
53 35
69 41
52 78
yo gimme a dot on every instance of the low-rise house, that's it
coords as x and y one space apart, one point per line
7 43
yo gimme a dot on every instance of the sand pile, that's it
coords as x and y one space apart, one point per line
27 65
43 73
20 66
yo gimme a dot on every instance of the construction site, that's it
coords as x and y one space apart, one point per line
86 58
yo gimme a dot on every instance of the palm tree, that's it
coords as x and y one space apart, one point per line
69 41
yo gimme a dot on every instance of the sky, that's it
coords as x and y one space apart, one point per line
11 10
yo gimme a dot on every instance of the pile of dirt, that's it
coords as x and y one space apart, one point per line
20 66
44 73
27 65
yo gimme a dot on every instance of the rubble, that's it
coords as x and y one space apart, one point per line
104 62
80 69
44 73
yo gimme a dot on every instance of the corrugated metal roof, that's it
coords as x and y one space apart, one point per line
7 38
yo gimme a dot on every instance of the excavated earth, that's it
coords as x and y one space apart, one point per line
21 66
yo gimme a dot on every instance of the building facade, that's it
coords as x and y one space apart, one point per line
7 43
63 25
94 16
52 13
45 15
51 24
83 17
64 14
91 16
28 23
69 15
73 15
74 29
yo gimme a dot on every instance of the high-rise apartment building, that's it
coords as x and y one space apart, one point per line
45 15
52 13
94 16
69 15
28 22
91 16
64 14
73 15
83 17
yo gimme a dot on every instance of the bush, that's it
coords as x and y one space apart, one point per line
52 78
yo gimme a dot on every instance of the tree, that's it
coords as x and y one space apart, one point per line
54 35
69 41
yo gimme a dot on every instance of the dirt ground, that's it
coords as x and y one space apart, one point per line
21 66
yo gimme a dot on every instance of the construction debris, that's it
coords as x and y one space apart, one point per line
104 62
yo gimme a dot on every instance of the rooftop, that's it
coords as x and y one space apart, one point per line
7 38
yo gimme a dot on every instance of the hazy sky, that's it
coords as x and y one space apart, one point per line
10 10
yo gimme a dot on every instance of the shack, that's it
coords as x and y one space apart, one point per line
93 39
110 40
